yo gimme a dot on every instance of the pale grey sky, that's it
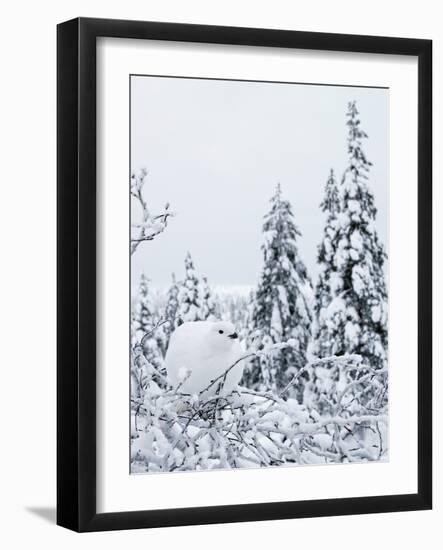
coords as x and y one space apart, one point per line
216 150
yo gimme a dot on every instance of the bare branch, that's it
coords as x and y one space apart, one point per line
151 225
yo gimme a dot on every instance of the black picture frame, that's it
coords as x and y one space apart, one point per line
76 280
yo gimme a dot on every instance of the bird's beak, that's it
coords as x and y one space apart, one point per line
233 335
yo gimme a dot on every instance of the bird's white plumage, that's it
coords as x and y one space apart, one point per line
205 350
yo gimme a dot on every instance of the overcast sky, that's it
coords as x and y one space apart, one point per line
216 150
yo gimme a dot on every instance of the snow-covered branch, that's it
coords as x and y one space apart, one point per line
174 431
151 225
265 352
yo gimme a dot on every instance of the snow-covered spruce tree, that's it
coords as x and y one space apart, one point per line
143 314
189 295
357 314
322 338
282 309
252 373
236 308
196 300
144 323
244 315
170 312
209 306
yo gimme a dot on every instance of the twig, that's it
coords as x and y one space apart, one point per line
159 323
151 226
224 374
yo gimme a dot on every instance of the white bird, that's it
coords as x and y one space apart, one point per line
199 353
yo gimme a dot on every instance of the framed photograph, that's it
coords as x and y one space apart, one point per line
244 274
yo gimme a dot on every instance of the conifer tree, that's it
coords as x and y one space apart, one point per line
144 323
236 308
357 314
252 372
209 306
282 308
189 295
144 310
330 205
171 309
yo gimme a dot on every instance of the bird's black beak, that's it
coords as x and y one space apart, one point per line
233 335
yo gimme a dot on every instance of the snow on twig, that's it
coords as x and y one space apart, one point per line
151 225
248 428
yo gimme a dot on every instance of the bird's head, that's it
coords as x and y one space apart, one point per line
223 335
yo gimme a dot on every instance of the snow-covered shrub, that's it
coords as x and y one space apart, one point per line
343 419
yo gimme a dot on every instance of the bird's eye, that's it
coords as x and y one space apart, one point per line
220 332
